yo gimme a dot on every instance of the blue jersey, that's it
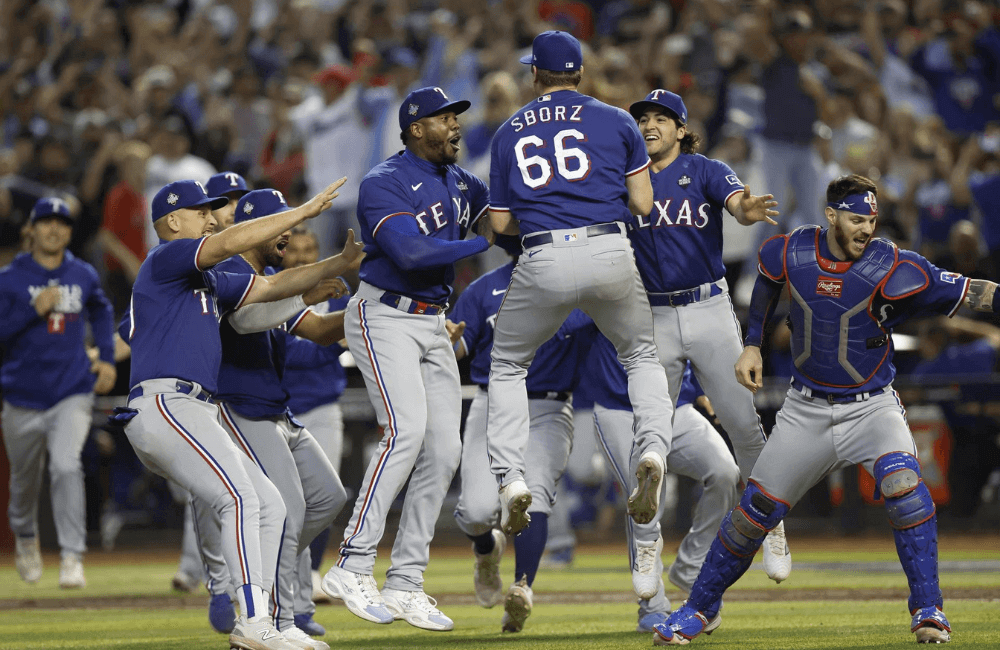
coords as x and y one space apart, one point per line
842 313
445 201
176 307
45 360
252 364
679 244
313 374
557 361
606 380
561 162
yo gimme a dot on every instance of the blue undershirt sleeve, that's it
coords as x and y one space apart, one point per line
765 296
409 249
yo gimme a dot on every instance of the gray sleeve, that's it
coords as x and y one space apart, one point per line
262 316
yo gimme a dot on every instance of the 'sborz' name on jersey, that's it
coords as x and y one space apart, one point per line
546 114
684 215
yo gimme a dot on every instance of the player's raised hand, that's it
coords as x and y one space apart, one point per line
455 330
324 199
758 208
106 376
46 300
750 369
353 251
326 289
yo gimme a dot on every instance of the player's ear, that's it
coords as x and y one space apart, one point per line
681 132
830 214
417 130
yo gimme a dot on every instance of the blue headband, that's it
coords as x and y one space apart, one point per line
857 204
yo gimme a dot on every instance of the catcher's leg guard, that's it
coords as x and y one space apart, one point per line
912 515
740 536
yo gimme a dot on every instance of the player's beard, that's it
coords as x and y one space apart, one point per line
847 243
269 253
446 153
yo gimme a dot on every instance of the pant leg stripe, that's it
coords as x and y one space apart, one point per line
275 591
221 473
241 439
391 441
621 480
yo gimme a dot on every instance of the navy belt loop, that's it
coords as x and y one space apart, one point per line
396 301
832 398
683 297
541 238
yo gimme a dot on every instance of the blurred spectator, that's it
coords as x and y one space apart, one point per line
571 16
251 119
122 236
381 103
282 159
902 86
502 99
966 253
625 21
976 177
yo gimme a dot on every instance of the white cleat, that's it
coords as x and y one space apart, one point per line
777 557
259 634
28 559
647 572
71 572
359 593
319 596
645 498
418 609
515 499
300 639
486 580
517 606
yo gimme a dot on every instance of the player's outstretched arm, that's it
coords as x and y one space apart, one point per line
749 209
455 331
244 236
262 316
640 192
503 222
982 295
750 369
293 282
325 329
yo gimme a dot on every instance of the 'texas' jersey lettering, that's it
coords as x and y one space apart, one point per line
546 114
435 217
682 215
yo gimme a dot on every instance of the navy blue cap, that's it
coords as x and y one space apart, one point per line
555 50
225 182
259 203
424 102
660 98
50 206
183 194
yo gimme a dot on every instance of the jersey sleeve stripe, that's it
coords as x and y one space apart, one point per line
961 300
725 203
301 317
498 208
197 254
386 218
639 169
478 217
246 292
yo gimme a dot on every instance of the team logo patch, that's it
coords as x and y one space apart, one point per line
248 207
413 109
829 287
949 277
570 237
684 180
733 179
172 198
462 186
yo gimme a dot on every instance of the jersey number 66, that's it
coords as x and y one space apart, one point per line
563 156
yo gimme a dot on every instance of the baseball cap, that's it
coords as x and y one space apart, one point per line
340 74
50 206
424 102
225 182
259 203
183 194
555 50
660 98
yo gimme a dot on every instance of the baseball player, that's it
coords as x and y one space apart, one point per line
678 249
314 381
414 209
550 383
847 290
566 172
47 298
172 421
697 451
232 186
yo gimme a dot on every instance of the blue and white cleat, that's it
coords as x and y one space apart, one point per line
221 613
683 625
306 623
359 593
930 625
647 622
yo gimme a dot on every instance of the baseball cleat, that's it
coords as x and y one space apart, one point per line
319 596
777 557
515 500
647 622
645 498
647 572
306 623
71 572
930 625
486 580
685 624
517 606
300 639
258 635
416 608
221 613
183 582
28 558
359 593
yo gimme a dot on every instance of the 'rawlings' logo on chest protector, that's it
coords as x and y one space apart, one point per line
829 287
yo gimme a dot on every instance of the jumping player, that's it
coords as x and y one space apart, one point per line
415 209
172 421
678 249
47 297
847 291
567 172
550 383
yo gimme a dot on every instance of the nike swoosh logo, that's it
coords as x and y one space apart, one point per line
416 187
532 253
499 292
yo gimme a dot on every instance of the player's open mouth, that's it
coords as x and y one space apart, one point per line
651 137
281 245
454 142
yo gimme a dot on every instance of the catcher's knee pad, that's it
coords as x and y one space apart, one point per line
907 499
744 528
